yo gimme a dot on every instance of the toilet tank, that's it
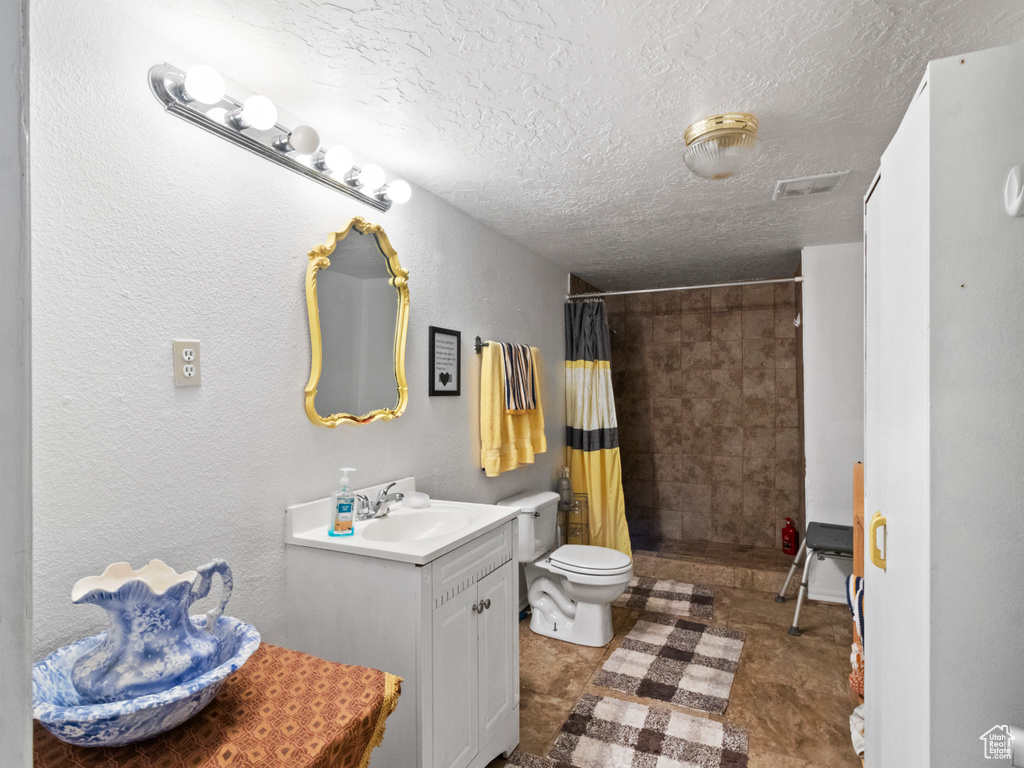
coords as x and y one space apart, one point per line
537 519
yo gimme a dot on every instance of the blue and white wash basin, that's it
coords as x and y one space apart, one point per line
57 704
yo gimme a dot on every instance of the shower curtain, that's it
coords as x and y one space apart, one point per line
591 432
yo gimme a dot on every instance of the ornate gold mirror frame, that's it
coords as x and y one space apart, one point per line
319 259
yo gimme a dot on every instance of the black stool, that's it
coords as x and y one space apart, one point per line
823 540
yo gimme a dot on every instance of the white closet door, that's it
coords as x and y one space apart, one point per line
874 681
456 682
977 404
897 450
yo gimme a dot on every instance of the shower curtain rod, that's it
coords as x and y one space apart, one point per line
601 294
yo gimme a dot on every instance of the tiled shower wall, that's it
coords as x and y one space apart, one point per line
707 394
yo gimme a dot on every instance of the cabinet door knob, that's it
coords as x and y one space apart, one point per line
477 608
487 603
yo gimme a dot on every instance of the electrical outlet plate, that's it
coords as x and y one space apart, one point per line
187 369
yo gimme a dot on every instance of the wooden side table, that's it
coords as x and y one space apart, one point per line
282 708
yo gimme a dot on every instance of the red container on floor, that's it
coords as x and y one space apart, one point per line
790 538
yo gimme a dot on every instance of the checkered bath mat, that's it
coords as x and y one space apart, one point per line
666 596
524 760
675 660
602 732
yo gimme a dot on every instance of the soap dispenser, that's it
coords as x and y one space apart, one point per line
343 507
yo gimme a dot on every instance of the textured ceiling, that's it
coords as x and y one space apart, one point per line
560 124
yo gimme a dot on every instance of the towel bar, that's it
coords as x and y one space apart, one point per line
480 344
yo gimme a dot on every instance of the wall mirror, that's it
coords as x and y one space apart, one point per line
357 295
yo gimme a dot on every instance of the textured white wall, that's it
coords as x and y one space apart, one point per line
833 338
15 404
147 229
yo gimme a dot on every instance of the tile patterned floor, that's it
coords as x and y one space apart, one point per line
790 693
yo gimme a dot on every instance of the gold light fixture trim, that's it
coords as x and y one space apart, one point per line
722 146
733 121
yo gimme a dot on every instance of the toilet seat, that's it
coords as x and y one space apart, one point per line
589 560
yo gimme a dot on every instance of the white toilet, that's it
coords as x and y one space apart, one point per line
571 588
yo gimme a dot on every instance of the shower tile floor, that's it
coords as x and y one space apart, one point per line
790 693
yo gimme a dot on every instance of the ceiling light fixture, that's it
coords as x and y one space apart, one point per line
303 139
370 176
336 159
257 112
198 97
397 192
722 146
203 84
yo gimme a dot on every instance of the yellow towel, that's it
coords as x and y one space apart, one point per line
507 439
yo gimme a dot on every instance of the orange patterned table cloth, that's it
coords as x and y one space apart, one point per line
282 708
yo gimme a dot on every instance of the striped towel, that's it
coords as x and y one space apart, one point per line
517 369
855 602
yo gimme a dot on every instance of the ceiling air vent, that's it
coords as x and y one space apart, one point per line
809 185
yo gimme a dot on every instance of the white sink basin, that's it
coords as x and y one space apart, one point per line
405 534
416 524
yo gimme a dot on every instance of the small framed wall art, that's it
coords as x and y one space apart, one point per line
445 362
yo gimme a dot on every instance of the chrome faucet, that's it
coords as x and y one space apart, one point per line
380 507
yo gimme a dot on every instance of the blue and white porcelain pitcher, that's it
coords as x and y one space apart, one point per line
151 644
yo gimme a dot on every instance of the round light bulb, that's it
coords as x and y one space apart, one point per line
399 192
259 112
338 159
204 84
304 140
372 176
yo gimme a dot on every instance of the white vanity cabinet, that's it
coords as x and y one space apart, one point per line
448 627
475 682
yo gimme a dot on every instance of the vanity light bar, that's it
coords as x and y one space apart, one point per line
198 97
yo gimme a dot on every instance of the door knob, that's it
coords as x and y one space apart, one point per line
487 603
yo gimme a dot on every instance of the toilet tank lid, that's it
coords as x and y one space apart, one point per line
529 501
